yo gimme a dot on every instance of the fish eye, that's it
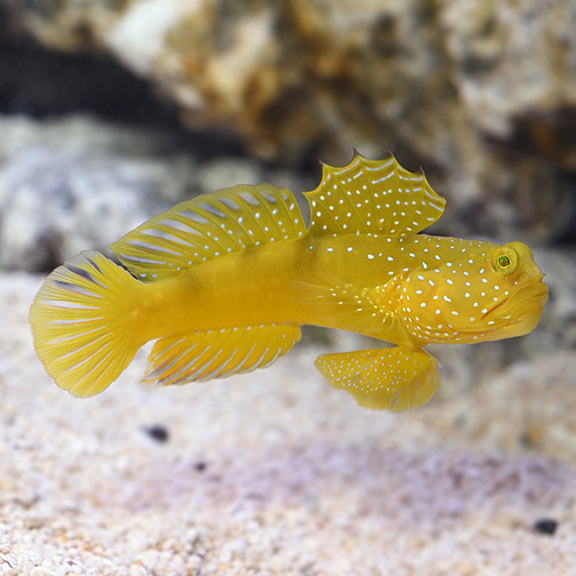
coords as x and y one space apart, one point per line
505 260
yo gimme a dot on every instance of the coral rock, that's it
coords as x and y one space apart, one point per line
481 94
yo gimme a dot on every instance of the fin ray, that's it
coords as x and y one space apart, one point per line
209 226
201 356
81 323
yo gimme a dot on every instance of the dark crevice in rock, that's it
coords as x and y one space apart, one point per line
41 84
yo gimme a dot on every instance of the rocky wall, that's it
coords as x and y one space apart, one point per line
481 94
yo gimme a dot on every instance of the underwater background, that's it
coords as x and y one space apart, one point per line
115 110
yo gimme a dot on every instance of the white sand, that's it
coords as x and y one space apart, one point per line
297 478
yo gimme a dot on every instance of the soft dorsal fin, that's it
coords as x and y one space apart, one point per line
208 226
200 356
372 197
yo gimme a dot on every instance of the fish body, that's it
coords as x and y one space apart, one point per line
223 283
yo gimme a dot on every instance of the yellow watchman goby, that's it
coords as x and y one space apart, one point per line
223 283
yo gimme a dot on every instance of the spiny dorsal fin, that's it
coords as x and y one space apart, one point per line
372 197
201 356
208 226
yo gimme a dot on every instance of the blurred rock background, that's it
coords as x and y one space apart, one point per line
112 111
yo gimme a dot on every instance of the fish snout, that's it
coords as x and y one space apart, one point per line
535 275
543 292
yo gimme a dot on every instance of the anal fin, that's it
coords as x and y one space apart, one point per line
201 356
395 379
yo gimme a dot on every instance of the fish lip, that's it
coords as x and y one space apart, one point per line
521 297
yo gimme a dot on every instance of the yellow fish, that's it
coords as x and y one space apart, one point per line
223 283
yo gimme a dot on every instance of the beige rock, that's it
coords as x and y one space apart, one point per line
67 185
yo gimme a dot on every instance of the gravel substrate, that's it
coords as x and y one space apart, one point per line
276 473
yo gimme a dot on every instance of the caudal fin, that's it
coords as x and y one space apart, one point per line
82 323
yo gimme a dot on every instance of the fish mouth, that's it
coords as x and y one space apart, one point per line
521 311
527 297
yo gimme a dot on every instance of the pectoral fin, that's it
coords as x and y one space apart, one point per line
395 379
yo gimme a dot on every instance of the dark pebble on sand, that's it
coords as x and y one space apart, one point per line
546 526
158 433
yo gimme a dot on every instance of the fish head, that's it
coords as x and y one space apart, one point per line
482 292
518 309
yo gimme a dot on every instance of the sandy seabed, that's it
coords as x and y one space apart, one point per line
276 473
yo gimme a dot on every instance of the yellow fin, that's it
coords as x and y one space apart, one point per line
211 354
395 379
209 226
83 331
350 307
372 197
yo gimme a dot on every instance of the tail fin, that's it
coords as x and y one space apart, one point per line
83 326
